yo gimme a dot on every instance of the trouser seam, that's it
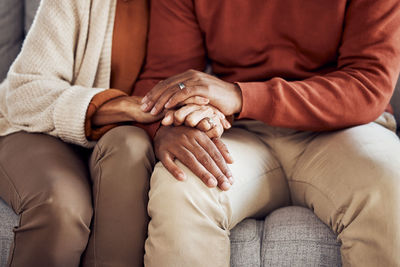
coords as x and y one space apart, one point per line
258 177
339 211
271 170
18 211
316 188
12 252
96 198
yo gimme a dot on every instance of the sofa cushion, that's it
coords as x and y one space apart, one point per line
246 243
8 220
294 236
11 33
31 7
396 103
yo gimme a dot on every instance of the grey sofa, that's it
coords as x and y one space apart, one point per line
290 236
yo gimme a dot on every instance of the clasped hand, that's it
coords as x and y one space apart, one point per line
194 99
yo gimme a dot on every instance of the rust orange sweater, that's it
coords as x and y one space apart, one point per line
128 52
308 65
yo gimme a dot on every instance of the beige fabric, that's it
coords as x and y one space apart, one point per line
64 62
46 181
349 178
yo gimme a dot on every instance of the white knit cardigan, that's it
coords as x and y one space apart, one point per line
64 62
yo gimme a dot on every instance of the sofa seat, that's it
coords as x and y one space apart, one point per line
290 236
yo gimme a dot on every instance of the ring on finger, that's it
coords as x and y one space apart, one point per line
211 122
181 86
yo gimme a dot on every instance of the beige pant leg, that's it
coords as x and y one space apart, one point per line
351 179
190 223
120 167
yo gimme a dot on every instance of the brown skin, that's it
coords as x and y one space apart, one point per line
182 142
121 109
199 149
127 108
226 97
206 158
197 116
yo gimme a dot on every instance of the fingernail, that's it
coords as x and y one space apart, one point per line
143 107
229 174
167 104
225 186
212 182
181 177
153 111
231 180
144 99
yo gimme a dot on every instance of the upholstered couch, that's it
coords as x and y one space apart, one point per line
291 236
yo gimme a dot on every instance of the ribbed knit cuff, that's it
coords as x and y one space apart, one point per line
257 102
70 114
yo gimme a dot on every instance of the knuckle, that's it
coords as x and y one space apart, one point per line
203 158
191 122
203 125
178 115
150 97
185 91
204 176
158 106
217 157
192 71
220 177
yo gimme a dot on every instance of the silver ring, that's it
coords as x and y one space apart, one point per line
211 122
181 86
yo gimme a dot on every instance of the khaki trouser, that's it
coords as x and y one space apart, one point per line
349 178
47 182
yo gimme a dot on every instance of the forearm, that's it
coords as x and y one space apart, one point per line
113 111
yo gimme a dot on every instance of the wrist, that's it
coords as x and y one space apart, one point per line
239 99
160 131
128 108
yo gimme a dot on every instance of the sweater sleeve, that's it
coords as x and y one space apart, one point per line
356 93
41 94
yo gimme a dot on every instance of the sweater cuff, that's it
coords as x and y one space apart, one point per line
92 132
70 114
257 102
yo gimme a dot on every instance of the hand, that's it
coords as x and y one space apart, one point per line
227 97
121 109
206 118
206 158
132 104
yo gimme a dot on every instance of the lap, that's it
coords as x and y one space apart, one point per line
260 185
32 165
343 168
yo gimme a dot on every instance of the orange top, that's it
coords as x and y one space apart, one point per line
307 65
128 52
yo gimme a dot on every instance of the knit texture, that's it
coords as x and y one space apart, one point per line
64 62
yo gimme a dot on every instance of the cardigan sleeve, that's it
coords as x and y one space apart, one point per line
42 95
356 93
